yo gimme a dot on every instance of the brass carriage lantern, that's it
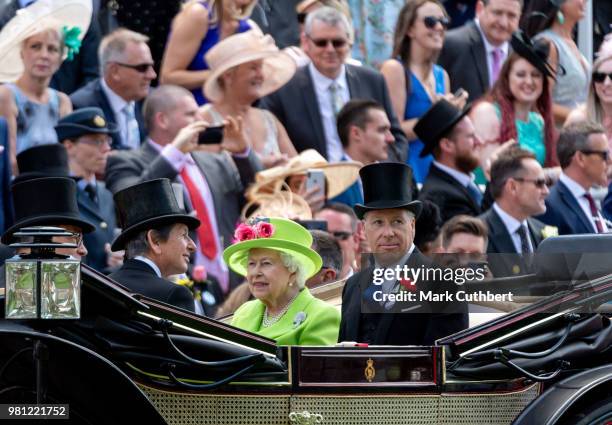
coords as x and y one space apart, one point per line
40 283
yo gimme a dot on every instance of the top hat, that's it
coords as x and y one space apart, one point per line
148 205
63 15
278 67
42 161
83 121
436 123
279 234
45 202
387 185
536 53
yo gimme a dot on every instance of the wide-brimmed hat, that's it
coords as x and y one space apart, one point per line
280 234
438 121
38 16
90 120
387 185
283 203
339 176
535 52
42 161
148 205
45 202
278 67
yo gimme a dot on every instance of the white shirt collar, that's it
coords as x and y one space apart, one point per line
322 83
577 190
488 46
150 263
462 178
511 223
117 103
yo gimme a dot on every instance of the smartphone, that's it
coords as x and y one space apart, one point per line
316 178
211 136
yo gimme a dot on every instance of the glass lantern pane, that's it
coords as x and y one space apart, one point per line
20 298
61 289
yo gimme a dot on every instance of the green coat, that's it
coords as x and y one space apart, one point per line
320 326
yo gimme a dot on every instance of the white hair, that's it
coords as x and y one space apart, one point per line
329 16
294 266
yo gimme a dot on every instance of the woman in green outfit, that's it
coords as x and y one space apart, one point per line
275 256
519 105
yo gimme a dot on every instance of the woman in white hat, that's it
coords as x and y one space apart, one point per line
32 47
199 26
243 68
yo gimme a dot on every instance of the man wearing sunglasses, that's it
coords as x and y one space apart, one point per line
127 70
474 53
310 102
518 186
584 156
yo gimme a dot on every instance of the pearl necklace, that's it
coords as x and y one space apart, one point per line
269 320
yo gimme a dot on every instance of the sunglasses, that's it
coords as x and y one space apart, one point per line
603 154
141 67
301 17
431 21
342 236
323 42
539 183
600 77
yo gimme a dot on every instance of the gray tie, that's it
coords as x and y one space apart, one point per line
132 133
335 98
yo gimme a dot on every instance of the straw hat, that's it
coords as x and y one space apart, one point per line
279 234
278 67
30 20
338 175
283 203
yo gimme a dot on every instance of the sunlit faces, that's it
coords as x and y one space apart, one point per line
184 112
466 145
603 89
525 81
329 59
530 188
498 19
131 83
267 276
89 152
172 255
372 141
245 80
421 34
390 233
594 165
41 54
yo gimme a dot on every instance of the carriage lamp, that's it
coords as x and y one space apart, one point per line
40 283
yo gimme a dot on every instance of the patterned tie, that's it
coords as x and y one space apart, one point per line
525 246
205 231
496 65
335 98
474 193
132 133
594 212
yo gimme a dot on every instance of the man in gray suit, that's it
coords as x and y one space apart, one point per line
308 104
474 53
213 181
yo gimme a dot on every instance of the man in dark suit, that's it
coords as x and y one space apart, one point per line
474 53
127 71
518 186
389 213
156 241
449 134
217 177
86 135
584 157
308 104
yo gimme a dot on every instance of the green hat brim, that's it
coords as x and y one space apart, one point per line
235 256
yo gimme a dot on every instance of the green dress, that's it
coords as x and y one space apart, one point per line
318 325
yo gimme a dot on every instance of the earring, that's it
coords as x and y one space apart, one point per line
291 284
560 17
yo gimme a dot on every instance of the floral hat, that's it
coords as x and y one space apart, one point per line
71 17
280 234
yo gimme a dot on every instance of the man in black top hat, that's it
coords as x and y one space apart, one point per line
156 241
448 133
86 136
389 213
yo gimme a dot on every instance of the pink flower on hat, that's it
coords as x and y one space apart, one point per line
264 230
244 232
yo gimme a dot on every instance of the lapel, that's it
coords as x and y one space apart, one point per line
479 52
148 152
535 231
306 87
575 209
499 233
443 175
139 266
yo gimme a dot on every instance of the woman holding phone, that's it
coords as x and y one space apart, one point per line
243 68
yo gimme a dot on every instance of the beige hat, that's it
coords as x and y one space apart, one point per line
305 4
278 67
283 203
338 175
30 20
